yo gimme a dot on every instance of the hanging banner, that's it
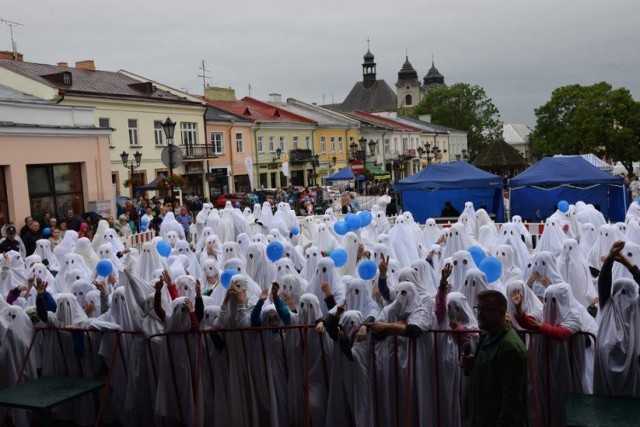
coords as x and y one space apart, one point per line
248 162
285 169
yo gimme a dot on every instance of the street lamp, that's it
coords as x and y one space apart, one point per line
278 153
359 152
131 165
315 162
334 160
169 128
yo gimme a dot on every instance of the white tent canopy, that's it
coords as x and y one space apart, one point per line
593 159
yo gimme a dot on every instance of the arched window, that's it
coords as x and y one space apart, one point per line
407 100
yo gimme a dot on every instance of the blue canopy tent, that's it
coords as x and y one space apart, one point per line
425 193
153 185
344 174
535 193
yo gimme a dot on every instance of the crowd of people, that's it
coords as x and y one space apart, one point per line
561 316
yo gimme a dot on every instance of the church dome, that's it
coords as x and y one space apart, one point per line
368 57
407 72
433 77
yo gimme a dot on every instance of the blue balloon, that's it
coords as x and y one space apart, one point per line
563 206
367 269
295 231
341 228
339 257
275 250
46 232
365 218
353 221
225 277
164 248
477 254
492 268
104 267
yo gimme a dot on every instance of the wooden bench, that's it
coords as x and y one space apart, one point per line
589 410
43 394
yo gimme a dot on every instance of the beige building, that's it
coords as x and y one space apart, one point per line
53 158
132 108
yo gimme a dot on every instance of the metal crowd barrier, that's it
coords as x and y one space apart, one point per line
198 357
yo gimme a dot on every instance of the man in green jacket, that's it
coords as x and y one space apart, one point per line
497 393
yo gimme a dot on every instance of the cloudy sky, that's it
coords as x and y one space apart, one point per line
518 50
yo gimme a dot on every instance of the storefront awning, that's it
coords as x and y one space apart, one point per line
377 173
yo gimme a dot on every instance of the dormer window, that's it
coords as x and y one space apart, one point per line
66 78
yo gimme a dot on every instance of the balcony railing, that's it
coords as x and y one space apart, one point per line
300 156
198 151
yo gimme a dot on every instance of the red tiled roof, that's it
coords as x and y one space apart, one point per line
259 111
396 125
98 83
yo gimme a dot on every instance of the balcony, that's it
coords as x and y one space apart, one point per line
197 151
298 157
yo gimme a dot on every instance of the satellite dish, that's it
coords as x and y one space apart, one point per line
171 159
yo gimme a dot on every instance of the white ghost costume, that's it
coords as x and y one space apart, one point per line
43 249
531 304
259 268
67 245
85 250
404 242
14 274
461 262
574 270
325 240
457 240
608 235
474 282
616 371
509 235
182 248
111 236
309 229
148 262
312 255
350 243
510 272
16 332
552 239
169 223
326 272
588 238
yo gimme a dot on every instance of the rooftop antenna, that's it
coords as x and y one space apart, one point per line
185 89
323 103
432 59
368 44
14 45
249 89
204 75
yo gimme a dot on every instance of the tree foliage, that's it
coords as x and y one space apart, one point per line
464 107
589 119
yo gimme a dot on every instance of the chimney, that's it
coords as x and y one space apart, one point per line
275 98
63 64
7 54
87 64
425 118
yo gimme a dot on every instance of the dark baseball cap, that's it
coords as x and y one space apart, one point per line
11 229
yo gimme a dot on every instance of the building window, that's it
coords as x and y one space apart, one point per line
307 142
333 144
282 143
189 133
340 145
216 143
387 145
158 132
323 144
56 188
295 142
104 122
405 143
260 145
239 144
407 100
133 132
272 144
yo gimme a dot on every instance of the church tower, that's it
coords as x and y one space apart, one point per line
408 86
368 70
432 80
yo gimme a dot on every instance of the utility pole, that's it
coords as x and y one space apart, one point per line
204 76
14 45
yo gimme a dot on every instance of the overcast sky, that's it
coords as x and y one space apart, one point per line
518 50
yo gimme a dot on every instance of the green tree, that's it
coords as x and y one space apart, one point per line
589 119
464 107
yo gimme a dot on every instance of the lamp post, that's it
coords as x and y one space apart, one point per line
359 152
169 128
315 162
131 165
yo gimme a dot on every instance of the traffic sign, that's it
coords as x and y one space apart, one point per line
357 166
